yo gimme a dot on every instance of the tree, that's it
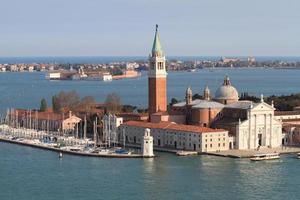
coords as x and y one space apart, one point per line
56 107
113 103
65 100
128 108
87 103
197 96
173 101
43 106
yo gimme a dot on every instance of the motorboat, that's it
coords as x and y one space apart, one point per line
186 153
122 151
266 156
298 155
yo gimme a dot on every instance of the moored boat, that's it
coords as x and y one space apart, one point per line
298 155
266 156
186 153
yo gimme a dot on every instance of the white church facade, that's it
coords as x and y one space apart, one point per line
260 129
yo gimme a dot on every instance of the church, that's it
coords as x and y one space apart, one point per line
250 125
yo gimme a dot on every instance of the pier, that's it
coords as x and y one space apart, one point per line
73 146
235 153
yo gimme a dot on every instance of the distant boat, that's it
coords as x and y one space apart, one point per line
191 70
267 156
186 153
60 155
298 155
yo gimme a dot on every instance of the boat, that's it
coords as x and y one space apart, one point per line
267 156
122 151
298 155
191 70
60 155
186 153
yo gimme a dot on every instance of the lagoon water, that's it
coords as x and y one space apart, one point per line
33 174
27 89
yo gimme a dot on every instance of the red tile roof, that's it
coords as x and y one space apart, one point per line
172 126
40 115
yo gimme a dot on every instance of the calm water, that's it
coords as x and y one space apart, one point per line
28 174
26 89
34 174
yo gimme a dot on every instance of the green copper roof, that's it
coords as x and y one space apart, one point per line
156 43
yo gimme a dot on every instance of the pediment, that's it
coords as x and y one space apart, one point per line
262 106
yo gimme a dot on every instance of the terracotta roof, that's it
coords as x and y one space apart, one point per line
41 115
172 126
132 114
279 113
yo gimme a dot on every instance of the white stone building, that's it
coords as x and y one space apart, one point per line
176 136
251 124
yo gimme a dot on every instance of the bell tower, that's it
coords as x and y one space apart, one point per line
157 78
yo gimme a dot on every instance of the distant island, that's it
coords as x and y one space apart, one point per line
138 64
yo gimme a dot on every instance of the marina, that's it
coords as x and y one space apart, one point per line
63 144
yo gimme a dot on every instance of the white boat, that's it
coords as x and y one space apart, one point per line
298 155
186 153
267 156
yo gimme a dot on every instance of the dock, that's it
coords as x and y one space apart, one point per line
72 152
236 153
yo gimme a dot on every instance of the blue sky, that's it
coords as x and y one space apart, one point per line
126 27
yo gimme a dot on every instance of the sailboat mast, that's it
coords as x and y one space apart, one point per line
85 127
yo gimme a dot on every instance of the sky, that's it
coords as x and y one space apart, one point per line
126 27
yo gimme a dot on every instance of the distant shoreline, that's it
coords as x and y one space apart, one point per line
107 59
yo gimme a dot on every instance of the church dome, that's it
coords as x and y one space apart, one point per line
226 93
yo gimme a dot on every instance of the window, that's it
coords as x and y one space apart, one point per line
219 145
210 145
206 146
223 144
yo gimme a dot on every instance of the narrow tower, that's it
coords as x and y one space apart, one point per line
188 96
147 145
206 93
157 78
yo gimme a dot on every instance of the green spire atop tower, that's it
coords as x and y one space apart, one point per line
156 48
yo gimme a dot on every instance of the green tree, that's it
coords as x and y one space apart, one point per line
173 101
197 96
43 106
128 108
56 107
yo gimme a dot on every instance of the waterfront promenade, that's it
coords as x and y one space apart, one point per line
235 153
71 152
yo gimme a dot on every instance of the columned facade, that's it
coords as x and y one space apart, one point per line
260 129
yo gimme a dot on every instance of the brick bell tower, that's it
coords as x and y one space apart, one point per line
157 78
